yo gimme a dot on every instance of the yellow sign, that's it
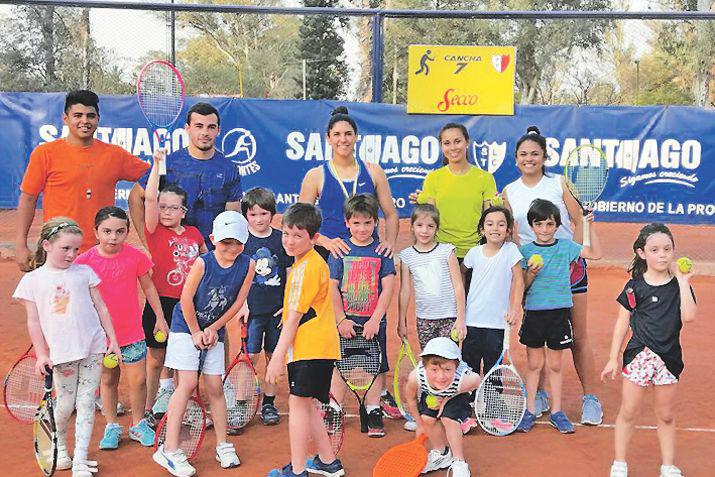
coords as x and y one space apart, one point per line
461 80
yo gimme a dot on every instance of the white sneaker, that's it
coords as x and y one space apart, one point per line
670 471
64 461
410 425
619 469
174 462
230 394
84 468
459 468
437 460
162 402
226 455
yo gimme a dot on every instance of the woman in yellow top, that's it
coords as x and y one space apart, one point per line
459 190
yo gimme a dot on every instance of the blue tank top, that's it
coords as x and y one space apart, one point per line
332 199
216 293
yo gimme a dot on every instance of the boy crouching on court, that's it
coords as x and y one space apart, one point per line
215 290
309 342
438 391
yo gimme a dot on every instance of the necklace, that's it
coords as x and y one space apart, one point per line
340 181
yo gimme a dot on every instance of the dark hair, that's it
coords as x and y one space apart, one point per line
361 204
542 209
261 197
83 97
303 216
425 209
491 210
51 231
175 189
204 109
638 265
459 126
533 134
110 212
341 114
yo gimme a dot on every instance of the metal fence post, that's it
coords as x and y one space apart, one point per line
378 49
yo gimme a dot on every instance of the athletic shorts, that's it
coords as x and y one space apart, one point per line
482 345
133 353
182 355
381 339
648 368
549 327
263 333
579 277
428 329
455 409
311 378
149 320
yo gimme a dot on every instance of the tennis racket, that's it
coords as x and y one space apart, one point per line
193 423
586 173
406 362
334 422
242 388
404 460
501 398
44 430
161 94
22 389
359 366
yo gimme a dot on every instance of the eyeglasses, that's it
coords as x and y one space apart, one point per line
172 208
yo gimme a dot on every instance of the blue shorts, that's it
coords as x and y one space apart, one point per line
381 339
263 333
133 353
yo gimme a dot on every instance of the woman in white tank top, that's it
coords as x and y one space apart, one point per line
536 183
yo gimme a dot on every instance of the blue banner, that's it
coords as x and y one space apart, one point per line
662 157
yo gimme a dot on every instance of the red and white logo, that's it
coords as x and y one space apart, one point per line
500 62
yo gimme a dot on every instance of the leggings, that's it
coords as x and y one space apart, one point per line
76 384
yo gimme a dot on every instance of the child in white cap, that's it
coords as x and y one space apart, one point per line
215 290
438 392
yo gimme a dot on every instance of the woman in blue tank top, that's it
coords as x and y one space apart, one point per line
341 178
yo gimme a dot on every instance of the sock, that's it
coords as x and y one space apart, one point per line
620 463
167 384
268 399
383 393
371 408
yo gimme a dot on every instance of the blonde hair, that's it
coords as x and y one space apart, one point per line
51 231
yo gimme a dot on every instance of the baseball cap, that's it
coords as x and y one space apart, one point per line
230 225
444 347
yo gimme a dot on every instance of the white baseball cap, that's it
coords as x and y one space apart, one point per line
444 347
230 225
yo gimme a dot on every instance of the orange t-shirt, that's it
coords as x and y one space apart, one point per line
78 181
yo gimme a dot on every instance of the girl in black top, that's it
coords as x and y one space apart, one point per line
655 302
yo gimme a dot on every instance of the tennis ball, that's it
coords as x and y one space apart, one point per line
685 264
454 335
536 260
432 401
110 361
160 336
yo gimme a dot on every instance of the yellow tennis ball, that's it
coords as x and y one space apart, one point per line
497 201
536 260
454 335
160 336
432 401
685 264
110 361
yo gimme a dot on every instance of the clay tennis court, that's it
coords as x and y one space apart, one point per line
543 451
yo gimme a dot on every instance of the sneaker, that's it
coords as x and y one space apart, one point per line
112 435
375 426
64 461
84 468
286 471
269 415
142 433
527 422
468 424
438 460
389 407
542 402
670 471
174 462
591 412
561 422
410 425
316 466
619 469
150 420
120 407
226 455
161 403
459 468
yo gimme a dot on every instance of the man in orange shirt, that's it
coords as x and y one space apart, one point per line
77 175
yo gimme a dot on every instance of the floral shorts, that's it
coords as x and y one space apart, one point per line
648 368
428 329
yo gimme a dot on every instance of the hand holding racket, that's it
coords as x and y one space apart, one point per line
44 430
22 389
242 389
586 175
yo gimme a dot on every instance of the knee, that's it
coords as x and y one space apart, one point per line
628 413
665 415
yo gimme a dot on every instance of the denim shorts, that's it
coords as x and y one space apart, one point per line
133 353
263 333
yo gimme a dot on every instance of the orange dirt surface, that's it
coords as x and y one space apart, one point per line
542 452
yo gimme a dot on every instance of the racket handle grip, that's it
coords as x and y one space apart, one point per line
507 336
586 233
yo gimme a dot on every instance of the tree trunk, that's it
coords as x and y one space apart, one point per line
46 16
86 46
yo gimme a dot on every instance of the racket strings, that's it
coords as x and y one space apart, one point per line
191 432
501 401
23 390
44 439
243 391
360 361
588 181
333 421
160 93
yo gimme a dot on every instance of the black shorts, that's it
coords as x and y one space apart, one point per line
482 345
311 378
381 339
149 320
455 409
550 327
